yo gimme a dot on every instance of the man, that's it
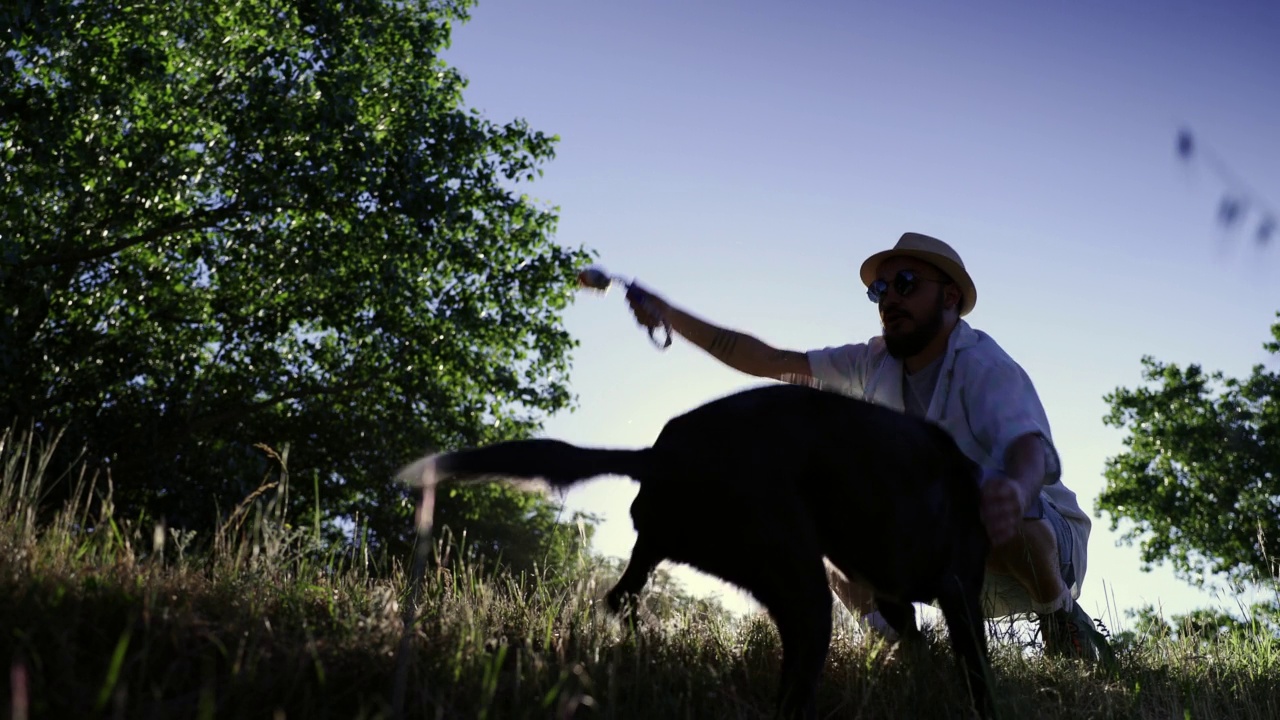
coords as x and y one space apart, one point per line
929 362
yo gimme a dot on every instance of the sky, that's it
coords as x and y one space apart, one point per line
742 158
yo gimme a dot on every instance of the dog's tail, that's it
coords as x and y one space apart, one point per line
559 464
520 462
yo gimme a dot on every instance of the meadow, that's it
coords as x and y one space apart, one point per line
112 617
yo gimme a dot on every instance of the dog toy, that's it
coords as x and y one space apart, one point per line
598 280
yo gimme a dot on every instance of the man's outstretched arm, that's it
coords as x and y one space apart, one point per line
740 351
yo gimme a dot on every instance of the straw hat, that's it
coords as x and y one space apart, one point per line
931 250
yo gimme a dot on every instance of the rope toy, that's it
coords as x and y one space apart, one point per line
598 280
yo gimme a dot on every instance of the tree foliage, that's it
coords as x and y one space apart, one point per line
1200 478
480 522
1202 626
258 221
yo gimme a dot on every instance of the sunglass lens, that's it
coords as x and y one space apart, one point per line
876 290
905 283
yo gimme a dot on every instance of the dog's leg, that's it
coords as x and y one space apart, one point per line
802 612
625 594
901 617
773 556
959 600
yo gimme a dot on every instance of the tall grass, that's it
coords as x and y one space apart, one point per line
107 616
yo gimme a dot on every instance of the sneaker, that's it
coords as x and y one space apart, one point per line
1061 635
1071 633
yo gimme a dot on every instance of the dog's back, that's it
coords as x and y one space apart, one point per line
897 483
868 476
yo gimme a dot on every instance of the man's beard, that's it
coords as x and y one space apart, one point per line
912 343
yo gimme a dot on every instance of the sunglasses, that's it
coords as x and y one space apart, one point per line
904 283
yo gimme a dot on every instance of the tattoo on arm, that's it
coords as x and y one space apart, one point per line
723 342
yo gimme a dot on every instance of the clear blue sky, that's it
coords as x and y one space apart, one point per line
743 158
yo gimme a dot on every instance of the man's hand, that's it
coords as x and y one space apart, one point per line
648 308
1005 496
1002 508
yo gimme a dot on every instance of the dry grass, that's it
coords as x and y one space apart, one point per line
104 618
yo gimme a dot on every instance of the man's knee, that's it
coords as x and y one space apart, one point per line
1034 560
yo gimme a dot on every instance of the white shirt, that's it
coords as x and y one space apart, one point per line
982 397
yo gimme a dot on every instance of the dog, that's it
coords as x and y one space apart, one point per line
758 487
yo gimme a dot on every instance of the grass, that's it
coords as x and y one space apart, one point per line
104 617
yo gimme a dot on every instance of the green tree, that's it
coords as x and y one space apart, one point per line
1200 478
261 221
1203 625
493 525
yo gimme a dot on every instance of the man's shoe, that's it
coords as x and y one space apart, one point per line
1071 633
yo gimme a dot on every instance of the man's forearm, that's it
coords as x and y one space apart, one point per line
738 350
1024 464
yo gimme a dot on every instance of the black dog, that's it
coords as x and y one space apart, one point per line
758 487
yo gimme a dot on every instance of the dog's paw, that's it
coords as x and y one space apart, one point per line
626 607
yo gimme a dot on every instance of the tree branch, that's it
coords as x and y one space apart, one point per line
178 224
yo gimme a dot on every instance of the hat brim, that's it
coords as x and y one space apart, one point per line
953 269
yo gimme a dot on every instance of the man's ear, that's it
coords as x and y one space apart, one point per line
951 296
